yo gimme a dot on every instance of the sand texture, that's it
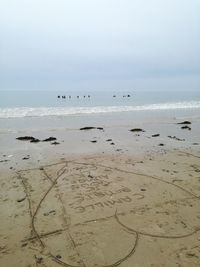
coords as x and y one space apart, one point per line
103 211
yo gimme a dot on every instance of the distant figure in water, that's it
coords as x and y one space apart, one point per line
128 96
69 96
88 96
114 95
77 96
84 96
63 96
58 96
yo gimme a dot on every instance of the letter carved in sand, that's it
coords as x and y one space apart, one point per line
85 213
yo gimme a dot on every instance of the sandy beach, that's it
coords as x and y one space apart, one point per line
99 133
105 196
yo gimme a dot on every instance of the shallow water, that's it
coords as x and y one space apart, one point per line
46 103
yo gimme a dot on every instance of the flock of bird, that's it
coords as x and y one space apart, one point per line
63 96
85 96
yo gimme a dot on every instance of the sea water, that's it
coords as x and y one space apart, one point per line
17 104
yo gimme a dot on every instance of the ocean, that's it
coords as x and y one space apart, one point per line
17 104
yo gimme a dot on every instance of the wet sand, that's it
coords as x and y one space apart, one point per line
133 203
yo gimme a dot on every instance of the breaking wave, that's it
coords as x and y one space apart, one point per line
66 111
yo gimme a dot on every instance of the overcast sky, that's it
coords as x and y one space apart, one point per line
99 44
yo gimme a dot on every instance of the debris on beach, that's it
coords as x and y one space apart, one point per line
27 157
21 199
155 135
55 143
136 130
186 128
91 128
175 138
25 138
184 122
49 139
5 160
87 128
35 140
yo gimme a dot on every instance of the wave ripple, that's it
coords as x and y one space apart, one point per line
20 112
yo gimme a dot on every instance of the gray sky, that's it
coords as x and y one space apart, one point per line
99 44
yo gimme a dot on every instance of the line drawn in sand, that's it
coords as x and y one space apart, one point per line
63 171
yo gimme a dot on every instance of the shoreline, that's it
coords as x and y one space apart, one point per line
115 137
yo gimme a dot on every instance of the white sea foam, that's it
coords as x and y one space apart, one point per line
65 111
